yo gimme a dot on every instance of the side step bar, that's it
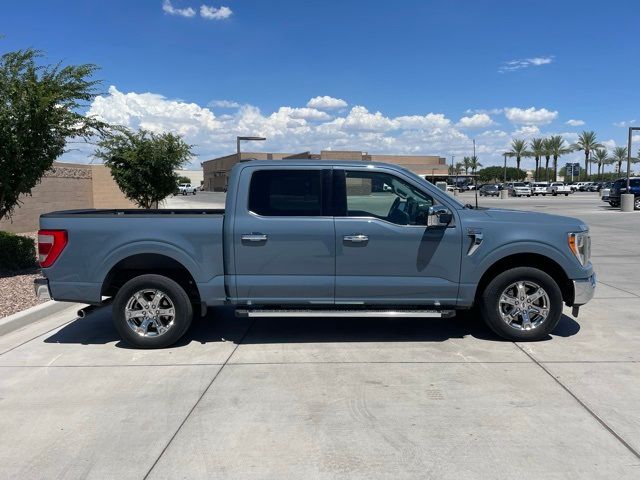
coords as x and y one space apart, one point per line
263 313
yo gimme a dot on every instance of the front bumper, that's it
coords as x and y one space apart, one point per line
41 287
583 290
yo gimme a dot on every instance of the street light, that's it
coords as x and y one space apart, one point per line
627 199
239 139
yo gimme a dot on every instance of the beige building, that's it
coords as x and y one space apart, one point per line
216 171
66 186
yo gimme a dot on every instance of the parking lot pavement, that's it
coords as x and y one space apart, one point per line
338 398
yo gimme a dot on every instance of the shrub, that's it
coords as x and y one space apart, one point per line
16 252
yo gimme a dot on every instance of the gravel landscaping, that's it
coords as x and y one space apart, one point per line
16 288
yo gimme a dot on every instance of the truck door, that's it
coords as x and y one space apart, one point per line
283 238
385 253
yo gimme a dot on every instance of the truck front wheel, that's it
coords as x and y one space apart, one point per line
152 311
522 304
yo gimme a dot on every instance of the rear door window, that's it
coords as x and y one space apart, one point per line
286 193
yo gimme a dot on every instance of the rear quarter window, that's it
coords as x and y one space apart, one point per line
286 193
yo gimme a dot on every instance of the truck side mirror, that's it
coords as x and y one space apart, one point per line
439 216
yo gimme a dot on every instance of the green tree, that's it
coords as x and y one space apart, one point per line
537 151
183 179
601 158
466 161
518 150
619 156
557 148
546 143
38 113
474 163
143 163
459 168
491 174
587 142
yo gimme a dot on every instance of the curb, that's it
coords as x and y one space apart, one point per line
33 314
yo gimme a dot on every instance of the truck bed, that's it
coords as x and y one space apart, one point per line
133 211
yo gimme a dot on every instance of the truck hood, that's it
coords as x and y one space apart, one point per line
520 216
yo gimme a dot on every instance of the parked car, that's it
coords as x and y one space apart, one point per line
595 187
296 240
518 189
539 188
604 191
583 186
620 186
558 188
489 190
187 189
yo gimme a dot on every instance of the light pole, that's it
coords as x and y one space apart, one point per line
627 199
239 139
504 193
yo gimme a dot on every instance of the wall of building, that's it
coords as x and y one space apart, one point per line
67 186
195 176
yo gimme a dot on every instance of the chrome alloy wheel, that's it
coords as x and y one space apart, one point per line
524 305
150 313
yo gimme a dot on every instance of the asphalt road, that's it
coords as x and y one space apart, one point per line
338 398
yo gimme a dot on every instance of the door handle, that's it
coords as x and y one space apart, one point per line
253 237
357 238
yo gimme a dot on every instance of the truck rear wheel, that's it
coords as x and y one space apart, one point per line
152 311
522 304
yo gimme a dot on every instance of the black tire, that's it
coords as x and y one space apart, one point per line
566 194
176 294
636 203
489 304
554 193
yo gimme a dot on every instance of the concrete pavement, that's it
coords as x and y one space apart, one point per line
338 398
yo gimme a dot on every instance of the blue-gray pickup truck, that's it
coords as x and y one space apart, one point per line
323 239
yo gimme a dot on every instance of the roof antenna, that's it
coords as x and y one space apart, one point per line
475 176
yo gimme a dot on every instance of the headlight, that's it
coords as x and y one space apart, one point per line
580 245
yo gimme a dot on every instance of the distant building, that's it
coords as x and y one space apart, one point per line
216 171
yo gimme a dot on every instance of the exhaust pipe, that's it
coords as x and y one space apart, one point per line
83 312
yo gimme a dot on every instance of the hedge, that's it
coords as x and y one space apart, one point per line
16 252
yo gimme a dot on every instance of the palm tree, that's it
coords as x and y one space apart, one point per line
546 145
557 147
474 163
587 142
452 170
466 163
458 168
620 155
537 151
601 158
518 150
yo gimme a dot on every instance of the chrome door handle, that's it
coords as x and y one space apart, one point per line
253 237
359 238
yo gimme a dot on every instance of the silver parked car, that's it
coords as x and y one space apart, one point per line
518 189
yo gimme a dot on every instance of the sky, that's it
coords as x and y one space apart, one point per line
402 77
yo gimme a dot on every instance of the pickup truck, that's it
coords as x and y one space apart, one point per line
186 189
318 239
559 188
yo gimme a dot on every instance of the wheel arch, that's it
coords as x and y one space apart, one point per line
149 263
532 260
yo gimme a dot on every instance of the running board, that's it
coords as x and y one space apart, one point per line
263 313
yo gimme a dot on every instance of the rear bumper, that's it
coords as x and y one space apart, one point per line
41 288
583 290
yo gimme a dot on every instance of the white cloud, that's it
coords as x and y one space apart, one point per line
326 103
574 123
167 7
530 116
625 123
212 13
296 129
490 111
478 120
519 64
223 104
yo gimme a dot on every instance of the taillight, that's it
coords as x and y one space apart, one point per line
50 246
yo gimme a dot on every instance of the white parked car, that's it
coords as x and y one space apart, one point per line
559 188
539 188
187 188
518 189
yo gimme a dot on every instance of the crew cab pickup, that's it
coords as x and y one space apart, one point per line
559 188
314 238
187 189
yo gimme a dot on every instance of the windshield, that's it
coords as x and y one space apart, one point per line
519 184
